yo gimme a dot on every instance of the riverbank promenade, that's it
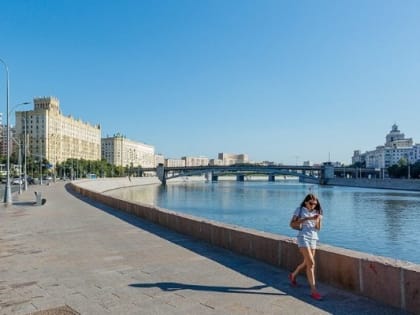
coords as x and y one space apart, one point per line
75 256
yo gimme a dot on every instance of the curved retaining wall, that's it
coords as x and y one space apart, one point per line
392 282
388 183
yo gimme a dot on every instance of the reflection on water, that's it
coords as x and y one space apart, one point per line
381 222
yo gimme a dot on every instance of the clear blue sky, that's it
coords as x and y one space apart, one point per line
285 81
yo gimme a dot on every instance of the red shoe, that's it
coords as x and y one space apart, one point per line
292 280
316 296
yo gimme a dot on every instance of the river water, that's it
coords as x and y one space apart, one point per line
380 222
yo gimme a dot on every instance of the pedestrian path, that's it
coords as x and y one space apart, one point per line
74 256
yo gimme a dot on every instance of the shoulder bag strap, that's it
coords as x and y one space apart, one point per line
300 211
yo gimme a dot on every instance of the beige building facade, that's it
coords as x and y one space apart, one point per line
195 161
56 137
120 151
230 159
174 163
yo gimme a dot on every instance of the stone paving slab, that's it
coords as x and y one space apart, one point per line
75 253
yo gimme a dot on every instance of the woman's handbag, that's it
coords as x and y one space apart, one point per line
295 224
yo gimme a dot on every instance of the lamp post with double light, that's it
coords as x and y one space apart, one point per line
40 166
25 176
25 151
24 147
7 190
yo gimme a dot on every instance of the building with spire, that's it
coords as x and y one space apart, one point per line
396 148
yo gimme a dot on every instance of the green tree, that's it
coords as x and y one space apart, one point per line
79 168
400 170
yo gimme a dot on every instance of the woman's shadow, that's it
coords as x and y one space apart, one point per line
175 286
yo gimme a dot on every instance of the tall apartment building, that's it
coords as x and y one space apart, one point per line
3 143
229 159
174 163
56 137
159 159
396 147
120 151
195 161
215 162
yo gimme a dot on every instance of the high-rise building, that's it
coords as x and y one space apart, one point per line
120 151
56 137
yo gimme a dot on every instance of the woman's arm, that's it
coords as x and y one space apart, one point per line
318 222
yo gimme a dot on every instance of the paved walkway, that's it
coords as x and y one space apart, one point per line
73 254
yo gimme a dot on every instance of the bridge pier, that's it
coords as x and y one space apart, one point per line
160 172
327 172
214 178
240 178
208 176
271 178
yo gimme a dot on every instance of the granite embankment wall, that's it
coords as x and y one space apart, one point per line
400 184
389 281
397 184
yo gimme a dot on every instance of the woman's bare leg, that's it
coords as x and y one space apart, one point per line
298 269
309 262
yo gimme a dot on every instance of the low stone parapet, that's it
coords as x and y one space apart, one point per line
111 183
389 281
388 183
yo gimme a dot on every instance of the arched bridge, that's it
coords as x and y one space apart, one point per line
241 171
312 174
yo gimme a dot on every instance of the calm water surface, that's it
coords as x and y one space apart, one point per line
381 222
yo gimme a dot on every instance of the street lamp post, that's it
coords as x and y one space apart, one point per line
7 190
25 187
40 166
25 179
20 164
408 166
40 169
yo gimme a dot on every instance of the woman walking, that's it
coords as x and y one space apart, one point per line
309 215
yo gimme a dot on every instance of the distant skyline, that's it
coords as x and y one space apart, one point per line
284 81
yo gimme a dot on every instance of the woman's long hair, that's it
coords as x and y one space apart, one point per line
310 197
